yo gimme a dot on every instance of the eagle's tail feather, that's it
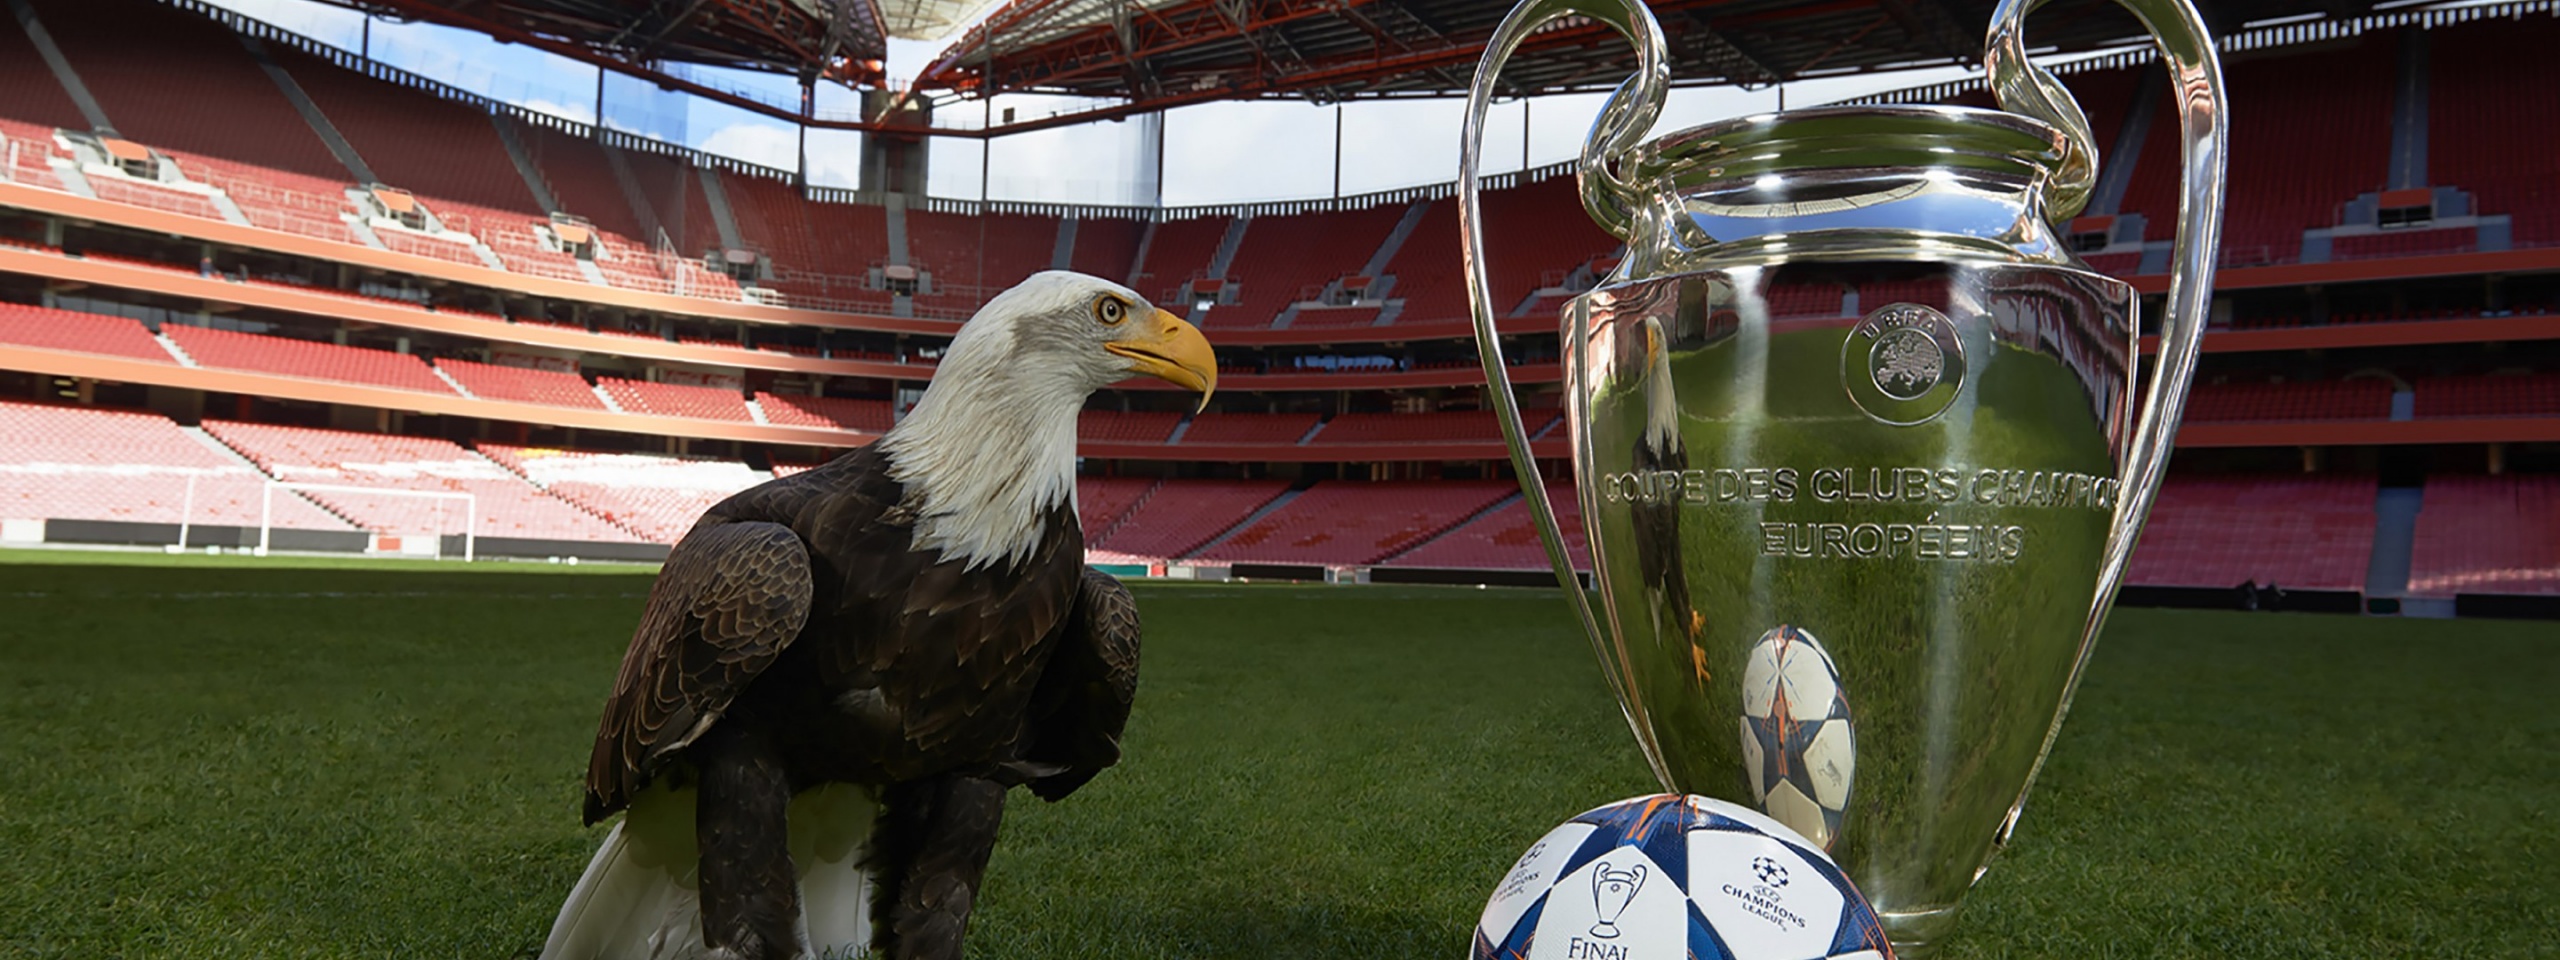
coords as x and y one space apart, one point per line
638 900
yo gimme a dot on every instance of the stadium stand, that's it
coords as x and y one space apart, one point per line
973 258
1102 501
505 505
522 385
2497 535
583 181
659 497
675 400
2298 532
2503 395
1505 538
1180 515
445 152
2494 99
769 220
1107 247
2355 399
51 329
1339 522
74 463
870 416
285 356
1115 426
1285 259
1249 427
30 98
1442 425
132 54
1180 252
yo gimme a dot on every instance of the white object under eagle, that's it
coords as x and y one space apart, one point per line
840 674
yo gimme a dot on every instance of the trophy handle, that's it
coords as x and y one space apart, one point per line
2195 79
1616 203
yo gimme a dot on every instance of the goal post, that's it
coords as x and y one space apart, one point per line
470 510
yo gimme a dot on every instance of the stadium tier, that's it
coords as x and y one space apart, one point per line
657 497
2358 399
79 332
674 399
1180 515
504 504
69 463
521 384
1112 426
2496 535
1505 538
1345 523
1250 428
2297 532
233 350
869 416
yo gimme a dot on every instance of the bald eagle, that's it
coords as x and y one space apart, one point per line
1662 449
839 674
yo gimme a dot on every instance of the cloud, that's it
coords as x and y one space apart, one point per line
755 143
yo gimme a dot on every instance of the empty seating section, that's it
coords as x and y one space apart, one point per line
1362 315
309 205
29 326
1102 501
1440 426
1341 522
1249 427
2403 243
502 504
1505 538
1806 300
869 416
658 497
2356 399
2320 137
135 55
1115 426
1107 247
490 381
769 220
448 248
30 98
1183 514
1534 236
1180 252
232 350
851 238
675 399
77 463
1285 259
582 180
153 195
436 148
2493 100
26 151
2502 395
2313 533
973 258
2487 535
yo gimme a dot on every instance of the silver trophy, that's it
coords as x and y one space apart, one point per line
1850 562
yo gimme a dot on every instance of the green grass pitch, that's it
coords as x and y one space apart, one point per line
219 758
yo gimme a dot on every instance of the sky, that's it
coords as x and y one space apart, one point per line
1229 152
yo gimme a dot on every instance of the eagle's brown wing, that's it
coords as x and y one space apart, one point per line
1084 698
730 597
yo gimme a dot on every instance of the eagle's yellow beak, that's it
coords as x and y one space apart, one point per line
1175 353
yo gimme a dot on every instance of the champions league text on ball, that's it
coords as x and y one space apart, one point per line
1808 552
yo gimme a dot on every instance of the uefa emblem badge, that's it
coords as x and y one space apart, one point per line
1903 364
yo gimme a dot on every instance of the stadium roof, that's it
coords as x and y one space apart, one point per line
1149 55
835 38
1159 53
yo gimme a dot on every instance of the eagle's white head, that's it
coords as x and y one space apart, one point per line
992 444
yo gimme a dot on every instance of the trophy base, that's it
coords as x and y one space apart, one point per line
1917 934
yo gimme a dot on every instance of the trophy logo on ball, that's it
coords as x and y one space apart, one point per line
1849 563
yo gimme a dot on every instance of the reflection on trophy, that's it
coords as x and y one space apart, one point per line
1941 480
1611 891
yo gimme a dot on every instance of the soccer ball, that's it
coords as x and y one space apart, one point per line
1669 877
1797 743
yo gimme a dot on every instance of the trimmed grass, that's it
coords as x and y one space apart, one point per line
212 759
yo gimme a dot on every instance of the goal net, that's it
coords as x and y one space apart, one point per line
469 508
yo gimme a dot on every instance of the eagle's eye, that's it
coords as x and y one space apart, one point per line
1110 310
